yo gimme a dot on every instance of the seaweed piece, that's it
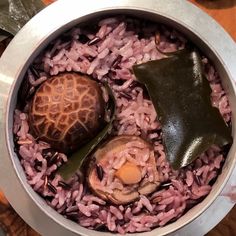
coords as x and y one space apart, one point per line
74 163
15 14
180 94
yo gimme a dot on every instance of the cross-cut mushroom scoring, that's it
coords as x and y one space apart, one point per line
67 110
129 170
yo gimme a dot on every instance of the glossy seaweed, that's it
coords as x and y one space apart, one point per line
180 94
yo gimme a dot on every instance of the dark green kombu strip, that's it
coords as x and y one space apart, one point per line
180 94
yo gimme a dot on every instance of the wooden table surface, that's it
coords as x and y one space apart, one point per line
224 11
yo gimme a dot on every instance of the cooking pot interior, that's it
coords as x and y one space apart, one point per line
201 43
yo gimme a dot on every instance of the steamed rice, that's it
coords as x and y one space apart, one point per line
122 43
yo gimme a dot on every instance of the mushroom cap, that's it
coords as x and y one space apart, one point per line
67 110
110 187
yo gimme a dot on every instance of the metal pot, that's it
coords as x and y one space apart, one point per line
50 23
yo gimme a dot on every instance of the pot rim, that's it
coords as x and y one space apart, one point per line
40 38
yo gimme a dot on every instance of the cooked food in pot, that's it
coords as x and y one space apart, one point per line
106 139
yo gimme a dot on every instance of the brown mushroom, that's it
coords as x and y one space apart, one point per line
67 110
129 170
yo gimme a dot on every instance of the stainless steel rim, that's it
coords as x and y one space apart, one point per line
37 213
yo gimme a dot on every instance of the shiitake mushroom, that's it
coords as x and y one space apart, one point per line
67 110
129 173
